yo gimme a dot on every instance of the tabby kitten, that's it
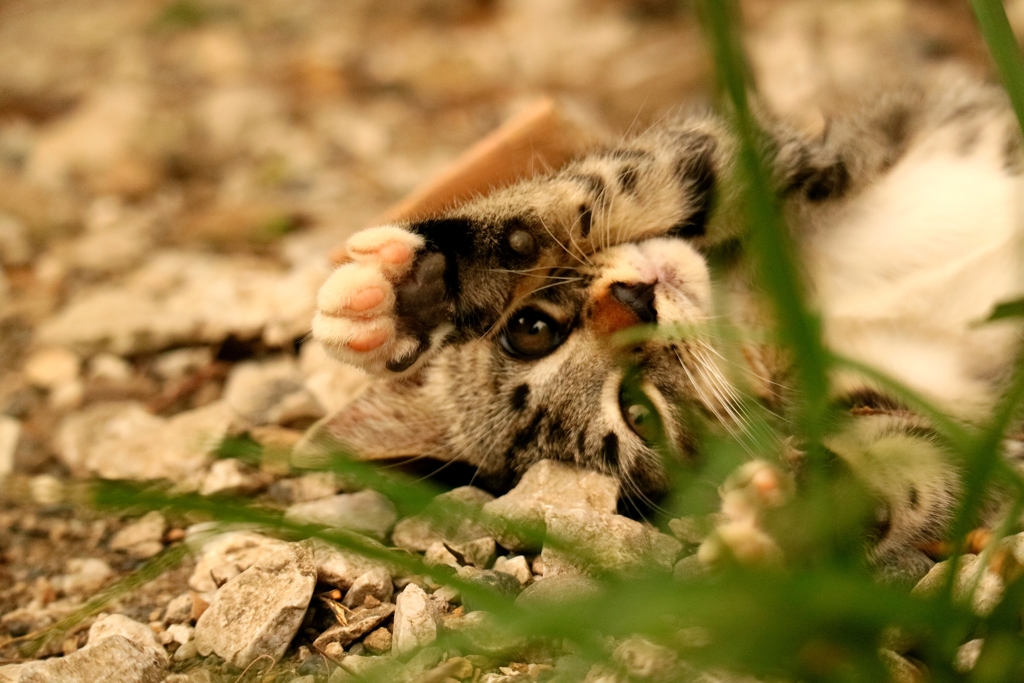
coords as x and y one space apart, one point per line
496 328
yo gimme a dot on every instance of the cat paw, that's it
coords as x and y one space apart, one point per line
381 309
750 491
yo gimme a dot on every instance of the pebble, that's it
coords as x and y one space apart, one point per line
503 584
484 633
46 489
233 477
10 433
122 440
366 512
688 529
260 610
416 620
549 485
120 625
447 518
360 622
309 486
237 549
49 368
378 642
255 388
603 542
376 583
84 576
110 367
479 553
901 669
137 538
114 658
193 676
438 555
341 568
515 566
555 591
967 655
189 298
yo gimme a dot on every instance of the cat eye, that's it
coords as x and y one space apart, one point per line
531 334
639 412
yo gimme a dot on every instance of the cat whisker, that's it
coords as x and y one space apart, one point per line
564 248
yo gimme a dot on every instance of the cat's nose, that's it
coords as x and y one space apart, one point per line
621 306
638 297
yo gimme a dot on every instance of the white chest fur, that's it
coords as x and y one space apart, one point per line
904 272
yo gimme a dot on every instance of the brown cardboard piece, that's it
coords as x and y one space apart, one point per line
540 139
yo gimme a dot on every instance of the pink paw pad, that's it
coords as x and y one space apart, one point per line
395 253
366 299
368 341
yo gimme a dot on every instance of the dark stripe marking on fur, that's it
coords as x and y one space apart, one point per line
519 397
610 449
697 174
830 182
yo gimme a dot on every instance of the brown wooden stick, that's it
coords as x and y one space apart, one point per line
538 140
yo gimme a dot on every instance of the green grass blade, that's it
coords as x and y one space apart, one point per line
998 35
769 240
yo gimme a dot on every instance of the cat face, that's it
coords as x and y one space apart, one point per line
567 373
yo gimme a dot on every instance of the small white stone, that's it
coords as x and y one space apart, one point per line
550 485
51 367
123 440
85 575
110 367
180 362
967 655
237 549
120 625
375 582
643 660
341 568
416 621
186 652
438 555
231 475
189 298
46 489
179 610
260 610
180 633
114 658
516 566
605 542
366 512
990 586
147 529
254 389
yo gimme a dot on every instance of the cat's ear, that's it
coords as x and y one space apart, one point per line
388 421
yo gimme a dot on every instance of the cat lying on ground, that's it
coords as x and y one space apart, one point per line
496 327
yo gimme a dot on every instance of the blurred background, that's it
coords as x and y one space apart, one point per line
173 173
